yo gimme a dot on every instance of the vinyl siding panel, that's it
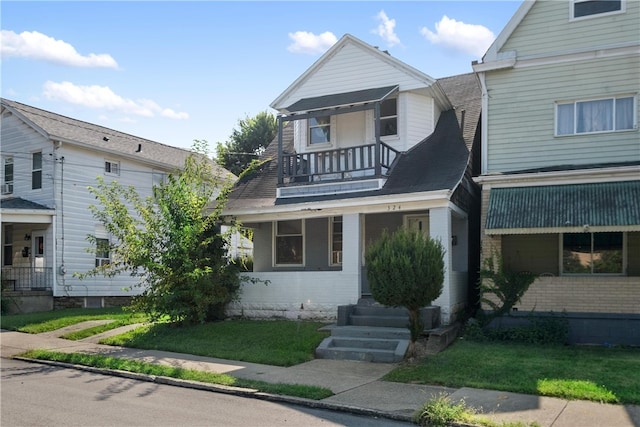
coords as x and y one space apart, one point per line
20 141
351 69
419 120
547 28
521 114
75 221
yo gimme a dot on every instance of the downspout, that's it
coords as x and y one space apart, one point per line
63 269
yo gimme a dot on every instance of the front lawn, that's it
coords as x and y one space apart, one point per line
271 342
610 375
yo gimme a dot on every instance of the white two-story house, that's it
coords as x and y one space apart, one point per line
48 161
365 143
561 161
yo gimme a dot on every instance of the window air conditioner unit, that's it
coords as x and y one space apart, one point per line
7 188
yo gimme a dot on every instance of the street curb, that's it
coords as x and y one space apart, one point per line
218 388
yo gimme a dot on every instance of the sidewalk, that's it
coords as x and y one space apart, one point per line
357 385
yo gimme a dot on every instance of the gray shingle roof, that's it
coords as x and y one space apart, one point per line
437 163
19 203
66 129
341 99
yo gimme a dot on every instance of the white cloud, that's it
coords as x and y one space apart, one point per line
386 29
306 42
35 45
468 38
103 97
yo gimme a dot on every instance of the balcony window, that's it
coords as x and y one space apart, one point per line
320 130
389 117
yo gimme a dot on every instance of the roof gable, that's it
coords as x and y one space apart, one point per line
351 65
492 53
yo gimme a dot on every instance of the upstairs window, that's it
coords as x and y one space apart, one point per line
36 170
389 117
111 167
320 130
592 253
598 115
587 8
289 242
7 184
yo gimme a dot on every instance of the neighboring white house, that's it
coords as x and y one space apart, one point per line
561 161
48 161
365 143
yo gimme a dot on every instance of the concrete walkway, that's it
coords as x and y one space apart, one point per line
357 386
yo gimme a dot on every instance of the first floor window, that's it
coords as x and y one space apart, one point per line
598 115
102 252
335 233
592 253
289 242
36 170
320 130
7 248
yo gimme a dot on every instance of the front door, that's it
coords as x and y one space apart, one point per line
38 266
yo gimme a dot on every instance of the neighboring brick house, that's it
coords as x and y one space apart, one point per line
48 161
365 143
561 161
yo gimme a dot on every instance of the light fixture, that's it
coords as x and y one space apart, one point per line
27 236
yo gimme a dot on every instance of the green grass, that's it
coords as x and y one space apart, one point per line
271 342
106 362
46 321
610 375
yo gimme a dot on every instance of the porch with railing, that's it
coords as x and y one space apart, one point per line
340 164
27 278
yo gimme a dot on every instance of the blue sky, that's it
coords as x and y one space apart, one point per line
178 71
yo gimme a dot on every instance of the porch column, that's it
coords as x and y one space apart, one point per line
352 251
440 229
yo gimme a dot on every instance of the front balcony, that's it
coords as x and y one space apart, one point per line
27 278
337 165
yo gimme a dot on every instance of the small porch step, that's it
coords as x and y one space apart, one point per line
363 349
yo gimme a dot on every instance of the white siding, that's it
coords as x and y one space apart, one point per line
547 28
351 69
521 114
417 119
20 141
75 221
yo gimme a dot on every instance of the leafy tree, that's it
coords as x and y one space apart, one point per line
245 143
170 242
406 269
501 288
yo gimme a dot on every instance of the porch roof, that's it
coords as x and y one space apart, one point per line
341 99
19 210
595 207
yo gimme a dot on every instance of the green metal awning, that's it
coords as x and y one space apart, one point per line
342 99
598 207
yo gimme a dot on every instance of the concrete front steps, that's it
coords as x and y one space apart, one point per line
370 332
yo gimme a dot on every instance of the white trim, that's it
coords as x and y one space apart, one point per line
579 176
602 52
492 52
500 64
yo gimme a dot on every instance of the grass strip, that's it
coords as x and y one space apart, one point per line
270 342
36 323
608 375
129 365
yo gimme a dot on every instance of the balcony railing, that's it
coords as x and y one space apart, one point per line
27 278
337 165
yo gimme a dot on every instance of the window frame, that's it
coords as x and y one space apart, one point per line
623 250
36 171
110 167
574 103
572 10
389 117
7 184
330 124
103 257
7 246
277 235
333 220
